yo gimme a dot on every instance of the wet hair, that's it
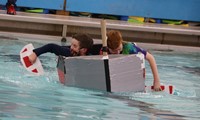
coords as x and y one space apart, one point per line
114 39
85 40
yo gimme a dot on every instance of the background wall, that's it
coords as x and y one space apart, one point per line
164 9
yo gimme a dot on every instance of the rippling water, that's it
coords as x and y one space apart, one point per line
25 96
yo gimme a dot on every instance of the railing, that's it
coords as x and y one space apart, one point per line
95 23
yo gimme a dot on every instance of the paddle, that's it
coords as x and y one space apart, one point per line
105 55
166 88
35 68
104 39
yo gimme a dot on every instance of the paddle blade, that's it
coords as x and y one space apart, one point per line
166 88
35 68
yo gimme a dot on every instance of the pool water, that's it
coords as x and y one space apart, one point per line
25 96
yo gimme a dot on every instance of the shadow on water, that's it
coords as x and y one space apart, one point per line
146 107
8 38
193 70
11 58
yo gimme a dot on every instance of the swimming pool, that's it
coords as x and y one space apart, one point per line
25 96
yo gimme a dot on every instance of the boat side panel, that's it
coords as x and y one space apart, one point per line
85 73
126 74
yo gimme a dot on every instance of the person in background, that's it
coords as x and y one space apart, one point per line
116 45
80 46
11 6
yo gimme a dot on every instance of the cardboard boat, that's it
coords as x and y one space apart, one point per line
119 73
114 73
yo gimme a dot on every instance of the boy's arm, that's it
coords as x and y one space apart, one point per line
149 57
154 70
52 48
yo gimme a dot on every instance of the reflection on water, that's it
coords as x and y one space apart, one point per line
145 107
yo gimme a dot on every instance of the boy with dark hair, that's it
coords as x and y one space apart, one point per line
80 46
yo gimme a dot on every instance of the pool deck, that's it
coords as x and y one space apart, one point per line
59 25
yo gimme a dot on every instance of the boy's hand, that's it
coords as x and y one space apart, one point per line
157 87
32 57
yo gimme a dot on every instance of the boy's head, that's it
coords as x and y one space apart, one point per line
81 44
114 41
